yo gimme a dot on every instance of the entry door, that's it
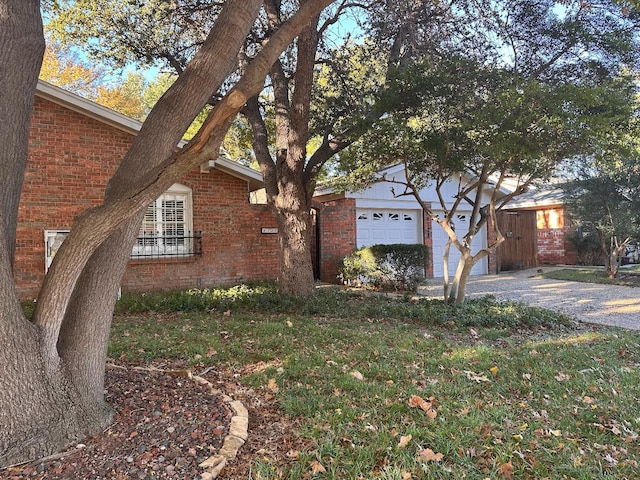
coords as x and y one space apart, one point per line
519 250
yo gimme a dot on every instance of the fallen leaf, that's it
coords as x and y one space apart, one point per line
316 467
406 475
561 377
404 440
227 313
289 323
476 377
427 406
610 459
357 375
428 455
588 400
293 454
494 371
506 470
272 385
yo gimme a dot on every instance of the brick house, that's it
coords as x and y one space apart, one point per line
203 231
535 225
375 215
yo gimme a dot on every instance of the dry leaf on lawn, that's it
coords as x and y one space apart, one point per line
272 385
404 440
506 470
316 467
476 377
357 375
428 455
426 406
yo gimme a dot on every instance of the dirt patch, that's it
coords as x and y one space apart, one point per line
165 426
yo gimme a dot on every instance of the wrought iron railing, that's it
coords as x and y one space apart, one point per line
161 246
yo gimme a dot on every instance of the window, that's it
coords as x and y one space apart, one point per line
393 217
52 241
166 230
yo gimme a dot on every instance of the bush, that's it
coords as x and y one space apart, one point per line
388 267
587 247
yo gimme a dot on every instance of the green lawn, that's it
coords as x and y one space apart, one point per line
597 275
505 391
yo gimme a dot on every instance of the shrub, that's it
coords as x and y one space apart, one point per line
587 247
388 267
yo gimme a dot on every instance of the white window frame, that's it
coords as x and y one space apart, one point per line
158 225
52 241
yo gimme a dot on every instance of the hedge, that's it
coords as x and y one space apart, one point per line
397 266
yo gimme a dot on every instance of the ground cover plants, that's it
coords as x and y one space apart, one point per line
393 387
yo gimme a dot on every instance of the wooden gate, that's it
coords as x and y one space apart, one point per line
519 250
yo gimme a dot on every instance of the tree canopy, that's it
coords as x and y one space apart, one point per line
603 198
541 82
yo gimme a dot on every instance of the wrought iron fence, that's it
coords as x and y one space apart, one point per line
160 246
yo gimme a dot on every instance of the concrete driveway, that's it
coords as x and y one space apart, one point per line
589 302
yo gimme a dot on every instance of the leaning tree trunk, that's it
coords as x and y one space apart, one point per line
459 284
51 369
39 410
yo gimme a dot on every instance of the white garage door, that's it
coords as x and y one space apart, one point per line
440 239
386 226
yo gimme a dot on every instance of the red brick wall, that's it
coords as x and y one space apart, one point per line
71 158
338 237
337 224
553 225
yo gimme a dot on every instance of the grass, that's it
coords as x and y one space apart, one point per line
511 391
593 275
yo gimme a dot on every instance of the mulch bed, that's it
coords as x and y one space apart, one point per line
630 278
165 425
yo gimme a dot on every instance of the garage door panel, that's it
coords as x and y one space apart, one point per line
385 226
440 239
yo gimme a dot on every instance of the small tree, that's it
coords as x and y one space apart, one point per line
604 201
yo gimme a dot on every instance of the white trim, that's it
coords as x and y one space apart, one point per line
235 169
98 112
155 248
87 107
52 241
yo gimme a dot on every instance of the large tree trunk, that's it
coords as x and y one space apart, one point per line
288 181
52 369
294 227
38 407
21 50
